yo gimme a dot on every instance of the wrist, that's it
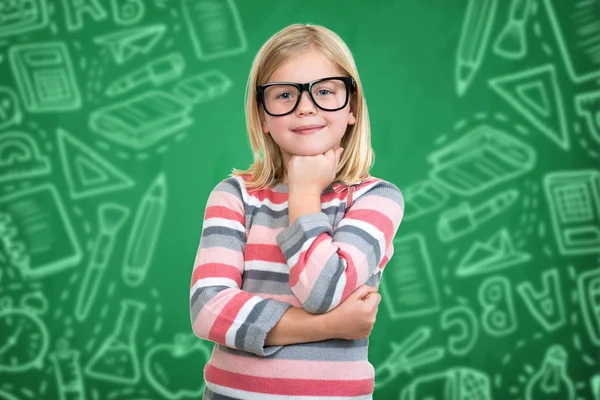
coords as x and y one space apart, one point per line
327 326
304 191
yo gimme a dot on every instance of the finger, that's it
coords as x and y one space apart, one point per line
363 290
373 299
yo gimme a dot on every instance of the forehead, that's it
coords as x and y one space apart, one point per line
305 67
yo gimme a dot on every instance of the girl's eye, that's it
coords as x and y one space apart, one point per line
284 96
324 92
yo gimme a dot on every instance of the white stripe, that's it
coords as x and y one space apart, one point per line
240 318
207 282
253 201
339 288
333 203
243 395
370 229
365 189
294 259
260 265
224 222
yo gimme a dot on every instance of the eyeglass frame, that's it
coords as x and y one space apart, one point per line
301 87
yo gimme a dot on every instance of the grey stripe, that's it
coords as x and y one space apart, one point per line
362 240
220 236
301 229
232 186
241 334
333 349
256 286
265 216
388 190
299 237
374 279
271 313
270 276
321 296
210 395
202 296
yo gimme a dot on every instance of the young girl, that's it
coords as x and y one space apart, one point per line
292 249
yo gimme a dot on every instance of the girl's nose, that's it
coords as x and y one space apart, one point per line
306 105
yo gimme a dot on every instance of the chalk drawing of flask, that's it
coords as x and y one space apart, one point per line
117 359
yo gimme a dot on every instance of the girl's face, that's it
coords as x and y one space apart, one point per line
302 68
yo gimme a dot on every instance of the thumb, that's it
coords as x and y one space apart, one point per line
338 154
363 291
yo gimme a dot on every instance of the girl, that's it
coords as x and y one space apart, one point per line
292 249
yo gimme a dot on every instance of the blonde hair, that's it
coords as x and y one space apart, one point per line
267 168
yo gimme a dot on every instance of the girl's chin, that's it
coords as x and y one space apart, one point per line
310 152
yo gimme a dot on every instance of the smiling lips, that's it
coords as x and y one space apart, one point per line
307 129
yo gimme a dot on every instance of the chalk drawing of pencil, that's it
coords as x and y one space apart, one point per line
144 234
474 38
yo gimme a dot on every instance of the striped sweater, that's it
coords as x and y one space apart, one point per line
251 267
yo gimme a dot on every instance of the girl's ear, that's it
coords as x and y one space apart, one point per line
263 120
352 113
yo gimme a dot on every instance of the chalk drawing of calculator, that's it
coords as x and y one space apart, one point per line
21 16
45 76
574 201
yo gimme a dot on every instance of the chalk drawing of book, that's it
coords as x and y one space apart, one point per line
425 197
458 383
35 232
22 16
409 286
575 24
141 121
481 159
495 254
214 27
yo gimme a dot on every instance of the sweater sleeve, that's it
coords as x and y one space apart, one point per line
220 311
326 266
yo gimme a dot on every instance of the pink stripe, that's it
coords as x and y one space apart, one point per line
311 259
225 199
211 310
309 273
263 234
307 369
217 271
289 387
388 206
264 252
274 197
286 298
359 260
221 255
227 317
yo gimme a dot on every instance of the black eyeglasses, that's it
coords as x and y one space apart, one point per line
329 94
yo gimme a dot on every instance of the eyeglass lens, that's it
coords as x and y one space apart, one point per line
330 94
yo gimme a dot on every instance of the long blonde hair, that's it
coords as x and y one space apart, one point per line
267 168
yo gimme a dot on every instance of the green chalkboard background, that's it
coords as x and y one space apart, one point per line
117 118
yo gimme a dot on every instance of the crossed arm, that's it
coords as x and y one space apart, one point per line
223 313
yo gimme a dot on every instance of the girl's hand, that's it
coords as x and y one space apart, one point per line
312 174
353 319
